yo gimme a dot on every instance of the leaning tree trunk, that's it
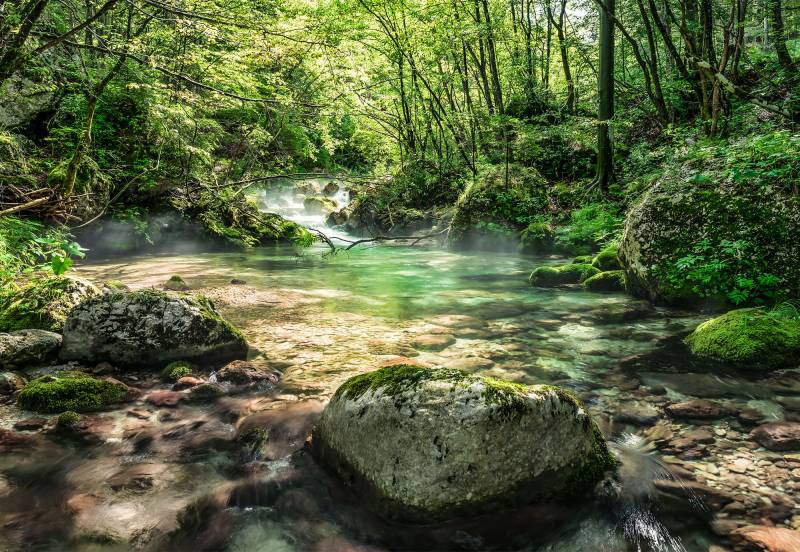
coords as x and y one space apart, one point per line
779 35
605 89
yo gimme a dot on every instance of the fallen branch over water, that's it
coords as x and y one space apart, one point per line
352 243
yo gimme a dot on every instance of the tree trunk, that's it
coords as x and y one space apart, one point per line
605 89
779 35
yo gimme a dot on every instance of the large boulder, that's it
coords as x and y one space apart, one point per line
427 444
150 329
558 275
25 347
43 303
748 338
698 234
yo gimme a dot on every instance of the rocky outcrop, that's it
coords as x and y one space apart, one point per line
27 347
43 303
692 211
748 338
319 205
437 443
150 329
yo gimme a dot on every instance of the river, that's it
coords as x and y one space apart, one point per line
321 318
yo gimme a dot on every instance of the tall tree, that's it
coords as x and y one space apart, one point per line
605 92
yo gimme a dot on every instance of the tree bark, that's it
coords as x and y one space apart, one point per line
605 89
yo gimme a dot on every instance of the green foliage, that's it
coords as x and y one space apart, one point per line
588 228
608 258
735 269
27 245
73 391
176 370
551 276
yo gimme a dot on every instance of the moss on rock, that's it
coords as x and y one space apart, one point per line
748 338
176 370
70 390
42 303
176 283
558 275
607 259
606 282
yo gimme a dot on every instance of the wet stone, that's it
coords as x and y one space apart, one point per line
778 436
434 342
637 414
31 424
164 398
698 409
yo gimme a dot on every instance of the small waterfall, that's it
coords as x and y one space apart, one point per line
307 202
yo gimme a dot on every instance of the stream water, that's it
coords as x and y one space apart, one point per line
320 319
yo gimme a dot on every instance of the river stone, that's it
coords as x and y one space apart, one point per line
10 383
766 539
433 342
427 444
778 436
25 347
698 409
150 329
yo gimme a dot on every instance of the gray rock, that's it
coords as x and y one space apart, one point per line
150 329
23 100
26 347
433 444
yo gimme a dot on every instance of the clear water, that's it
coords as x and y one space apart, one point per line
321 319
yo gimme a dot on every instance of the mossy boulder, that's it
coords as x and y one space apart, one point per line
559 275
492 212
606 282
748 338
729 225
429 444
150 329
318 205
70 390
42 303
607 259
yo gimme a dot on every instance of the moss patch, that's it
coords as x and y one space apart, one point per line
176 283
42 303
176 370
606 282
607 259
559 275
74 391
748 337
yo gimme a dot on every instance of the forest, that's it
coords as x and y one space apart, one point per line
372 275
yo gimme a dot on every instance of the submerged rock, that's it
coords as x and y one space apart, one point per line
748 338
778 436
25 347
150 329
70 391
436 443
43 303
698 409
242 372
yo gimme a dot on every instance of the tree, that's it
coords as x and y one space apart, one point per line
605 92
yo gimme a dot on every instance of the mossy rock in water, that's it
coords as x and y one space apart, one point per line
150 329
70 390
583 259
559 275
459 445
42 303
749 338
176 283
607 259
606 282
176 370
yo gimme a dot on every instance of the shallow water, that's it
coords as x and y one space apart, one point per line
320 319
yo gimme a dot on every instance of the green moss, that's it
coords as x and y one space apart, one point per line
591 468
748 337
176 283
68 419
394 379
551 276
206 392
607 259
611 281
582 259
115 285
70 391
176 370
41 303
